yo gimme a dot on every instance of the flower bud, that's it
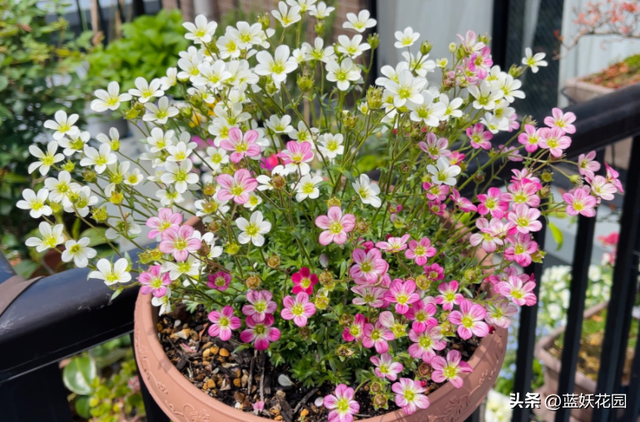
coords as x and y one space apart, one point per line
538 256
116 197
362 227
305 83
209 189
157 254
376 387
516 71
344 351
305 333
273 261
56 207
424 370
452 47
333 202
425 47
448 330
374 97
484 39
325 277
423 282
278 182
547 176
232 248
350 120
263 19
89 175
186 112
471 275
99 214
373 40
253 282
319 28
68 166
380 401
478 177
146 257
346 319
442 63
321 302
213 226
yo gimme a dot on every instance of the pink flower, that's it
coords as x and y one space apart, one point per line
463 203
179 242
587 166
420 251
602 188
524 193
261 305
386 367
236 187
219 280
456 157
261 333
500 313
530 138
377 336
469 320
409 395
368 266
554 140
525 219
479 137
434 272
494 202
154 282
579 201
355 330
270 162
435 147
450 369
241 146
222 323
612 177
303 281
394 244
522 246
449 295
258 407
518 291
561 121
402 294
165 220
437 207
335 225
489 234
296 156
421 314
426 342
369 296
341 404
298 309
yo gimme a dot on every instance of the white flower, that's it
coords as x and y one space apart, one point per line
160 140
302 134
134 178
113 140
109 99
352 47
211 75
253 202
190 268
50 237
280 125
277 66
485 96
361 22
264 182
63 125
419 64
408 88
116 172
367 191
321 11
170 80
428 112
318 52
163 302
112 274
445 173
246 35
82 201
202 31
406 38
304 4
285 16
509 86
390 73
181 151
79 252
253 230
145 90
343 73
169 197
534 61
35 202
228 46
307 187
45 160
179 175
330 145
61 187
119 227
451 107
74 143
494 123
216 157
160 113
100 159
210 206
188 67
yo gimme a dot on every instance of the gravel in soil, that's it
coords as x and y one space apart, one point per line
243 378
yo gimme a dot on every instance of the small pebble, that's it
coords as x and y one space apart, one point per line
215 350
285 381
237 382
224 352
304 413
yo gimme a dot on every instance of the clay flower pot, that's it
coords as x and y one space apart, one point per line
184 402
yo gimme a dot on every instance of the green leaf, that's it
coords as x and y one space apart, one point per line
79 374
557 235
4 82
75 230
116 293
26 267
96 235
82 407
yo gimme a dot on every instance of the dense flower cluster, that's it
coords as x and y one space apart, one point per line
298 251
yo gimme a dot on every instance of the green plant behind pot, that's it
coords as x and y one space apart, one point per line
149 46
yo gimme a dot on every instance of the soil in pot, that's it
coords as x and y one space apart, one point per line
217 370
618 75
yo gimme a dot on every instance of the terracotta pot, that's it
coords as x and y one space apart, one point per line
183 402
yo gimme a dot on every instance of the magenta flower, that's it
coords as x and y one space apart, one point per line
377 336
561 120
525 219
436 192
303 281
222 323
463 203
493 202
522 246
437 207
421 313
612 177
165 220
241 145
368 296
479 137
296 156
386 367
579 201
341 404
179 242
260 305
450 369
355 330
394 244
434 272
530 138
236 187
601 188
270 162
518 291
500 313
261 333
402 294
449 295
368 266
409 395
435 147
335 225
587 166
524 192
426 342
153 281
219 280
420 251
489 234
469 320
298 309
554 140
456 157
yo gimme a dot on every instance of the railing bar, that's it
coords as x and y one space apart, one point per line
6 270
152 410
633 395
527 337
579 284
622 290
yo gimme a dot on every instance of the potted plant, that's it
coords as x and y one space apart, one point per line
299 287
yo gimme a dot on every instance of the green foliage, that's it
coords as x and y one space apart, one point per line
149 46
